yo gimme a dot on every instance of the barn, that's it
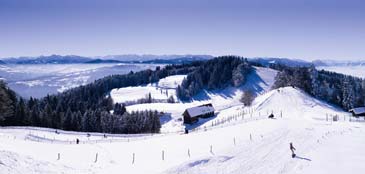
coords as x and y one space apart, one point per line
358 111
191 115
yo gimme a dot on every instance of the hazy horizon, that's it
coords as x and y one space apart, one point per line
106 57
307 30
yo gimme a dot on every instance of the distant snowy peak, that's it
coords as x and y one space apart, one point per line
266 61
338 63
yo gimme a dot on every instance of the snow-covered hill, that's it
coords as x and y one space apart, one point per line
259 81
293 101
242 145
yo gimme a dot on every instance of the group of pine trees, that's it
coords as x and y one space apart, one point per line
343 90
7 98
87 108
215 74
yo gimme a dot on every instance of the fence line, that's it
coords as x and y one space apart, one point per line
322 137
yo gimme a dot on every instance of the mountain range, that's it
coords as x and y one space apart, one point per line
73 59
166 59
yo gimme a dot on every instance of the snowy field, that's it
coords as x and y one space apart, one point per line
160 91
248 143
357 71
42 79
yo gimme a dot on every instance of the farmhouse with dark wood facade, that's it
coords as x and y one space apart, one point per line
191 115
358 111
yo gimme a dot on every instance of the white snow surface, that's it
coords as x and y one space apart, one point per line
251 143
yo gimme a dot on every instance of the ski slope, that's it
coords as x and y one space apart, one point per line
245 145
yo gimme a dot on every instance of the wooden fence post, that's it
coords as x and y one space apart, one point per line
133 157
96 157
188 152
58 156
163 155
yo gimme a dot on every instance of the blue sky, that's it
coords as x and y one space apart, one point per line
306 29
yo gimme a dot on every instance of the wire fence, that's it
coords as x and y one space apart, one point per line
244 115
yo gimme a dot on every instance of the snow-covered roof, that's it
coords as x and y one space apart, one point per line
199 110
359 110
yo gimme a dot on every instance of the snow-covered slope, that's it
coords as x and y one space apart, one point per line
294 102
242 145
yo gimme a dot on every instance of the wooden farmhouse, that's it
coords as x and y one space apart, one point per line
191 115
358 111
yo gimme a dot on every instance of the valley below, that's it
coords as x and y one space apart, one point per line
38 80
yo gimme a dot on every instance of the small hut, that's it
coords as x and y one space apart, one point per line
191 115
358 111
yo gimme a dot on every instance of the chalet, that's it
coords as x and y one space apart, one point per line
358 111
191 115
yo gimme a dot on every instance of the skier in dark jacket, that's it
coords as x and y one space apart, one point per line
292 148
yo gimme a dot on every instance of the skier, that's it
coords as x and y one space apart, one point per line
292 148
186 131
77 141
